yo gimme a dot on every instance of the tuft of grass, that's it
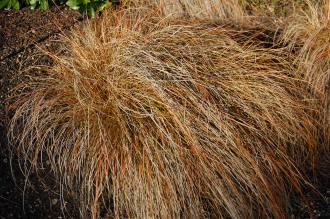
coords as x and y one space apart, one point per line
238 12
308 35
277 8
164 119
212 9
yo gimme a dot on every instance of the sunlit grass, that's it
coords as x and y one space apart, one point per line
158 118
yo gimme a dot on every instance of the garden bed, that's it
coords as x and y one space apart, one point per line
21 32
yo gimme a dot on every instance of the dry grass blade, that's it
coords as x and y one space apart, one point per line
161 120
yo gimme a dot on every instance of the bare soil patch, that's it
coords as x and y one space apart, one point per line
21 32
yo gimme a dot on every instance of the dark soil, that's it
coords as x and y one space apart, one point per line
21 32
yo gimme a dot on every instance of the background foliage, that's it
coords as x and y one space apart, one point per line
84 6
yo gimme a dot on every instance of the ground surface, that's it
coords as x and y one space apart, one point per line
20 32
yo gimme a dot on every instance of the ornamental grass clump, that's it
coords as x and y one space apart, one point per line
204 9
168 119
244 13
308 36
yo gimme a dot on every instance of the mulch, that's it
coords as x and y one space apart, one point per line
21 33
